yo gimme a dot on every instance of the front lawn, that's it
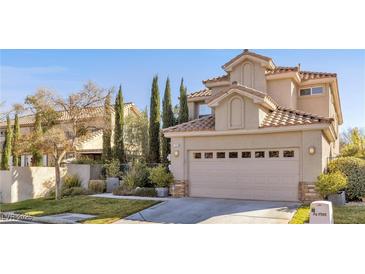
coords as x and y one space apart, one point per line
349 214
107 210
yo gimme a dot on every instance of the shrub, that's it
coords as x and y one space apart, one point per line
354 169
97 186
74 191
160 177
142 175
122 190
130 179
112 168
145 191
71 181
330 183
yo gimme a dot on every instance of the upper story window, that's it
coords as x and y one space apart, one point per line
311 91
204 110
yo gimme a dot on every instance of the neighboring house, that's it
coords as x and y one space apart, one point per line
260 132
91 146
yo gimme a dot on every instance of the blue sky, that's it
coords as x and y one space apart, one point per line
65 71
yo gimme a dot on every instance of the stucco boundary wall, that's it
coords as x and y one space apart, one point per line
22 183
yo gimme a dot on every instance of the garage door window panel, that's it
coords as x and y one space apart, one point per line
274 154
197 155
221 155
288 153
259 154
233 155
246 154
208 155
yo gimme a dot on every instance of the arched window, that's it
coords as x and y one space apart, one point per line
247 75
236 113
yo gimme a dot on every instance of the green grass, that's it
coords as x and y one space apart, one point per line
349 214
107 210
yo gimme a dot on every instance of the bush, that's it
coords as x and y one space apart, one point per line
112 168
331 183
354 169
97 186
142 175
123 190
130 180
71 181
145 192
160 177
74 191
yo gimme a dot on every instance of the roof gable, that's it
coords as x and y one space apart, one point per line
246 54
256 95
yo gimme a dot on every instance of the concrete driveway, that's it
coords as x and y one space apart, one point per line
214 211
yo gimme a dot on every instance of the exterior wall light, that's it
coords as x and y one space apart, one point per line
311 150
176 153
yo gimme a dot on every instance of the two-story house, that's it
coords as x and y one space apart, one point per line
91 146
260 132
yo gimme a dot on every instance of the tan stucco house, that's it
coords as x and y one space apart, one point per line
260 132
89 147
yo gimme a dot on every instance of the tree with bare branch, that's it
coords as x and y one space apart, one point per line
65 121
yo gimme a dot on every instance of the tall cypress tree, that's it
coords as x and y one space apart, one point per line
145 135
107 130
119 124
167 120
15 143
36 141
5 156
154 130
183 111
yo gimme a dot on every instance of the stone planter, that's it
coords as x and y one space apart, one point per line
337 199
162 191
111 184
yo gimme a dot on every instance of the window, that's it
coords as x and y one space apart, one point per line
233 155
197 155
274 154
246 154
288 153
311 91
259 154
221 155
208 155
204 110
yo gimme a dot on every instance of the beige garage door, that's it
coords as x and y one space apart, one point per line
245 174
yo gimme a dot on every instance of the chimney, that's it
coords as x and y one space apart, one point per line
298 66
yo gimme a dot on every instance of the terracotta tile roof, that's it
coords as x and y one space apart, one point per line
200 93
289 117
202 124
87 113
309 75
278 70
278 118
304 75
217 79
